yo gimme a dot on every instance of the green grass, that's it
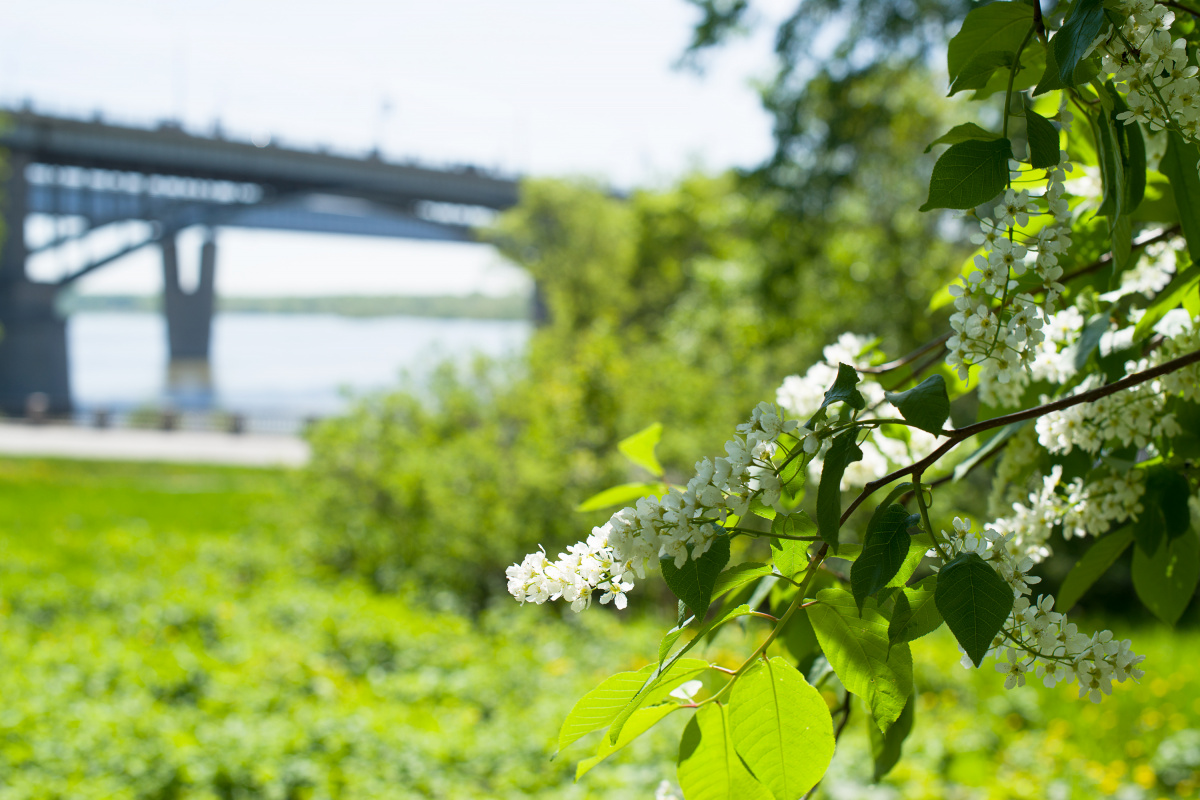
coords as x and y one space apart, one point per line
161 640
44 496
163 636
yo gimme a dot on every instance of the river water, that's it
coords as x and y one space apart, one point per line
284 365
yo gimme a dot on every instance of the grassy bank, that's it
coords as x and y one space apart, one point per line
164 637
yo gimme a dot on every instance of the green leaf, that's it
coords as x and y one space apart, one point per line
916 554
1133 152
858 649
885 546
657 686
1072 40
797 523
639 448
599 707
975 602
625 494
1043 140
693 582
738 576
926 405
1166 581
709 766
843 390
915 614
1084 72
792 472
1112 168
998 26
886 748
789 555
1031 66
976 72
639 722
1091 565
842 452
781 728
968 174
1179 165
1165 509
1170 297
1122 243
1089 338
1123 169
963 133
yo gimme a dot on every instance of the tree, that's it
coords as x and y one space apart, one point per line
1075 335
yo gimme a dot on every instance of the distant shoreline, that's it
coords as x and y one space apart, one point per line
474 306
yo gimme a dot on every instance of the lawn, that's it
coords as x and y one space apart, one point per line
164 636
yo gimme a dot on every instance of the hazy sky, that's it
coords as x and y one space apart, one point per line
547 87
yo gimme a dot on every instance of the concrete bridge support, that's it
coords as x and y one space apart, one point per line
189 323
33 343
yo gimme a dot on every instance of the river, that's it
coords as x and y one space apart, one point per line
285 365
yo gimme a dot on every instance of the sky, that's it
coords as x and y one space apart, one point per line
532 87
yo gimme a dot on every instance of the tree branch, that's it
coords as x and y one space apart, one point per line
955 438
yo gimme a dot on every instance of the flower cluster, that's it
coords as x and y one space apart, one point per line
998 320
885 448
1136 416
1086 509
681 525
1152 69
1038 639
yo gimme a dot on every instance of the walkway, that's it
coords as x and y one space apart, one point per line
58 441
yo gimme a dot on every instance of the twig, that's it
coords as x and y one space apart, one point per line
908 359
957 437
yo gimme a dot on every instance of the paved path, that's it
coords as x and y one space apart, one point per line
257 450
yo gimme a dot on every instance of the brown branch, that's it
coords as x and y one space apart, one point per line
908 359
955 438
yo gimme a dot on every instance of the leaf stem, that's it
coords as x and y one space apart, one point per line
809 573
921 504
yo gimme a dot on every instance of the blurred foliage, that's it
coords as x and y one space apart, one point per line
176 652
823 50
686 306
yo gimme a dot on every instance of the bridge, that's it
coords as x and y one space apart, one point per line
98 175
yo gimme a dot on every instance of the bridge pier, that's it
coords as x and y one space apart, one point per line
33 342
189 323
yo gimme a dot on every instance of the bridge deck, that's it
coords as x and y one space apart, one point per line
169 150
